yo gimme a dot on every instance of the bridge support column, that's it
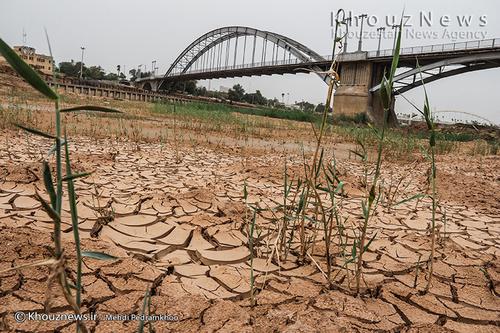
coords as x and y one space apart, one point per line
353 96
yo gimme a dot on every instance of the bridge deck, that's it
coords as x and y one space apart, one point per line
425 55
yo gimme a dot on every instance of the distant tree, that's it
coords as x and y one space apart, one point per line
306 106
188 87
255 98
94 73
200 91
216 94
111 77
273 102
237 93
71 68
320 108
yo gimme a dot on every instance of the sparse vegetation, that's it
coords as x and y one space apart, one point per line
332 211
54 207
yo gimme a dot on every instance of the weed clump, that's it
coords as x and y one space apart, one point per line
53 207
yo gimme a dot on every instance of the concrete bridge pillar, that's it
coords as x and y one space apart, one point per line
353 95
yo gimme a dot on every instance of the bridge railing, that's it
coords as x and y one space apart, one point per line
294 61
437 48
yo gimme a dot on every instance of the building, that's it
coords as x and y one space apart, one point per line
40 62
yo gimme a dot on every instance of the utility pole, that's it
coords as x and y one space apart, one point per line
360 44
153 67
379 30
81 63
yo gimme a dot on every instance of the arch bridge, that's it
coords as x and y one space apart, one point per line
238 51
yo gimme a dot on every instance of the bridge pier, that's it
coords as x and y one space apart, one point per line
353 95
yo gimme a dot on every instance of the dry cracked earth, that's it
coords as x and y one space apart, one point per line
178 226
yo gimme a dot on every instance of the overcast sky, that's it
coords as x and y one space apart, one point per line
130 33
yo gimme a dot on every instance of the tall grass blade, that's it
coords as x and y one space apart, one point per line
52 150
90 108
339 188
245 191
360 155
147 296
35 131
251 239
364 209
76 176
432 146
49 185
48 209
54 215
386 94
98 255
25 71
397 51
50 48
45 262
367 246
74 222
413 197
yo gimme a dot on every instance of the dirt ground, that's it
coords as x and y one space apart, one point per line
178 222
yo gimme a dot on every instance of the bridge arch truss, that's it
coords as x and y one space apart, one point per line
219 50
418 76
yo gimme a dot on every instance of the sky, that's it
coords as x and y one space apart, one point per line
131 32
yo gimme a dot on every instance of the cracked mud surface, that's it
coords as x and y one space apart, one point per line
178 224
